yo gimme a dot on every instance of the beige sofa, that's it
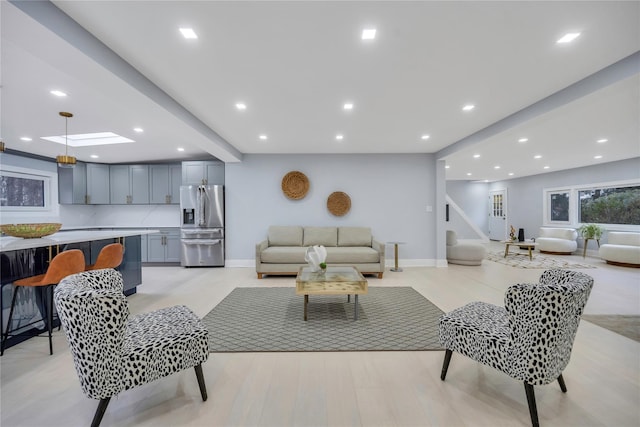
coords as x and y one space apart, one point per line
560 241
284 249
622 248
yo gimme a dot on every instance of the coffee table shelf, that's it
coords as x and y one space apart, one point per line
343 280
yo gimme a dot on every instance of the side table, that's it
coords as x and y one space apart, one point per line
584 252
395 244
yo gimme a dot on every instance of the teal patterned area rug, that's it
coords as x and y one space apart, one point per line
271 319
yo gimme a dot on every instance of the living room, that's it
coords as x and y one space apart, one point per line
401 196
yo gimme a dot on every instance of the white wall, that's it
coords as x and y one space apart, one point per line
389 193
473 199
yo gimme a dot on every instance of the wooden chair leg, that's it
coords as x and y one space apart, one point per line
445 364
102 407
203 388
563 387
531 399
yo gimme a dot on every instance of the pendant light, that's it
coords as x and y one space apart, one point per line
66 161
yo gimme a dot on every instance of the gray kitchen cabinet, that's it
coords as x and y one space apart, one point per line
72 185
97 184
129 184
164 246
202 172
164 184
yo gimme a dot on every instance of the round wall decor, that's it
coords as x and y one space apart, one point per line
339 203
295 185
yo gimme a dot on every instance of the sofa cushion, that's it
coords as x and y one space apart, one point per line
623 238
285 236
354 236
325 236
352 255
284 255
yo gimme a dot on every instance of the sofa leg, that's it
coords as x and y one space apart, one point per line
259 275
445 364
102 407
531 399
380 275
203 387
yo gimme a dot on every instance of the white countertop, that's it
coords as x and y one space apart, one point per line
8 243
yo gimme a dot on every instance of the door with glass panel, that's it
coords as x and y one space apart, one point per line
498 215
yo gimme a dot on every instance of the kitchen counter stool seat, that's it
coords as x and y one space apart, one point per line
109 257
62 265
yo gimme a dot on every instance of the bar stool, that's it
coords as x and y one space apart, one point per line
62 265
109 257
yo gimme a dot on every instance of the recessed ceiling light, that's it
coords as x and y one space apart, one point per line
88 139
602 141
475 156
546 167
496 167
447 166
523 139
348 106
180 149
468 107
339 137
597 157
139 130
188 33
241 106
58 93
25 138
263 137
94 156
468 173
568 38
510 173
537 156
425 137
369 34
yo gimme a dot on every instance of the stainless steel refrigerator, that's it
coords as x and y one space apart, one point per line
202 225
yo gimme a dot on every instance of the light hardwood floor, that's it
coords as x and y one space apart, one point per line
344 389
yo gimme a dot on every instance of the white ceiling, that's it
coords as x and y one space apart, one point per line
296 63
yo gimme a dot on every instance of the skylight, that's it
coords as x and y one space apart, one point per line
89 139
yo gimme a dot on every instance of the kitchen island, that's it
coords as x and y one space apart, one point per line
20 258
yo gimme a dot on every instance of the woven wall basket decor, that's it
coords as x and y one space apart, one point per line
295 185
339 203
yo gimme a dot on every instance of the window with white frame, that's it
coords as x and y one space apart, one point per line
611 204
22 192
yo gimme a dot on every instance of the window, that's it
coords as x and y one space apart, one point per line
610 205
20 192
557 206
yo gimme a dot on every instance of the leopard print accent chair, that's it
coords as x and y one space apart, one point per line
113 351
530 339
